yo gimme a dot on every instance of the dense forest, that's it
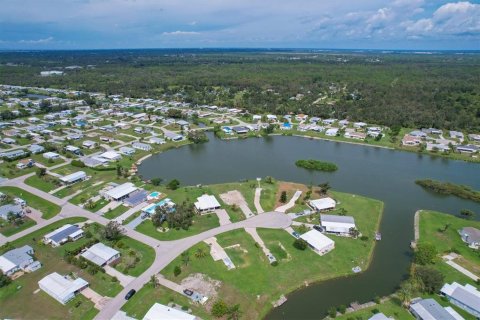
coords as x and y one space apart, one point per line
396 89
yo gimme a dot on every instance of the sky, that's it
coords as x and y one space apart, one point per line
341 24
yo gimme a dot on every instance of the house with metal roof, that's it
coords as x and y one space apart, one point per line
322 204
379 316
141 146
470 236
320 243
173 136
429 309
120 192
63 234
15 209
127 151
18 259
160 311
62 288
101 254
36 148
14 154
74 177
466 297
337 224
206 203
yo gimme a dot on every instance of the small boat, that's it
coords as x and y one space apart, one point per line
357 269
378 236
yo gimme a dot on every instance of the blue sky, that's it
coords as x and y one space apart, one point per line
366 24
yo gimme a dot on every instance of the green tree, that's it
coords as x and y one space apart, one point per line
185 257
4 280
283 197
176 271
219 309
300 244
113 231
234 312
468 214
173 184
324 187
431 278
154 281
425 253
41 172
156 181
159 215
200 253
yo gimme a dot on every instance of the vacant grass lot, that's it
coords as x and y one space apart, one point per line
255 283
200 224
112 214
8 229
46 183
48 209
391 308
432 225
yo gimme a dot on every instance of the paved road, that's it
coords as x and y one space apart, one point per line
167 251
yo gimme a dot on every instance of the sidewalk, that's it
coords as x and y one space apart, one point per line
258 206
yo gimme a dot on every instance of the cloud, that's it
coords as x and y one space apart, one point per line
180 33
35 42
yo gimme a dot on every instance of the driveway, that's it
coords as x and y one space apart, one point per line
234 197
290 203
258 206
122 278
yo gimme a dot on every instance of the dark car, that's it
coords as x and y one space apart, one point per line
188 292
130 294
319 228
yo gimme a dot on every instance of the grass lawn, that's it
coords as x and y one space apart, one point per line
48 209
390 308
143 300
112 214
46 162
9 170
200 224
432 225
46 183
8 229
21 291
254 276
131 218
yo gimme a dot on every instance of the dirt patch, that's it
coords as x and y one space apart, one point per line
472 267
233 197
202 283
291 188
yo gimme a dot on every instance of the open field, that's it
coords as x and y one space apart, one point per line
8 229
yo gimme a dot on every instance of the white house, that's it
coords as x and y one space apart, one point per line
206 203
110 156
156 140
126 151
332 132
89 144
429 309
18 259
62 288
51 155
337 224
63 234
318 242
322 204
160 311
74 177
101 254
120 192
141 146
466 297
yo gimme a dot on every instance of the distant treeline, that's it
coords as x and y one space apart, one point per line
316 165
448 188
408 90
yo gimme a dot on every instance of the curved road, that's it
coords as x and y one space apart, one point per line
165 251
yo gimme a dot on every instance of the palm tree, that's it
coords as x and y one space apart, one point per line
234 312
154 281
185 258
200 253
324 187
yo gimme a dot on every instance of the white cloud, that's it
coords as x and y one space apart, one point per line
38 41
180 33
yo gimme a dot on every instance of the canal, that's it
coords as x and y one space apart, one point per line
383 174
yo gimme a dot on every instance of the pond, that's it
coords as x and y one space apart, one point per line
384 174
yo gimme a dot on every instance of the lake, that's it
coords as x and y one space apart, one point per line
383 174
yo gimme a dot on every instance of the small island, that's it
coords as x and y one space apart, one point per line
317 165
448 188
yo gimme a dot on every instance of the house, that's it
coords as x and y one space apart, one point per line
51 155
329 121
320 243
343 122
173 136
340 225
8 141
15 154
25 163
63 234
355 135
156 140
409 140
160 311
120 192
74 177
271 117
466 297
437 147
301 117
470 236
380 316
429 309
141 146
256 117
110 156
457 135
418 134
322 204
101 255
332 132
138 130
127 151
240 129
206 203
18 259
106 139
61 288
51 73
35 148
359 125
182 123
474 137
89 144
469 148
151 208
14 209
73 149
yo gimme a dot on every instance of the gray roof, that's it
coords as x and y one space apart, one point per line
472 233
19 255
433 308
14 208
64 233
335 218
466 298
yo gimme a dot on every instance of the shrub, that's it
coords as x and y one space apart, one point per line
342 309
219 309
176 271
332 312
300 244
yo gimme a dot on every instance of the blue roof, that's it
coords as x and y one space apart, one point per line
64 234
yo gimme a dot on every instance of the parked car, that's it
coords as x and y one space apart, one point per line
130 294
296 234
319 228
188 292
